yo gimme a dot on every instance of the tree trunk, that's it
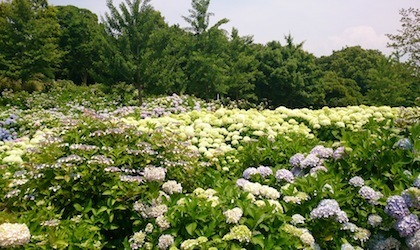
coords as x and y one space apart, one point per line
140 96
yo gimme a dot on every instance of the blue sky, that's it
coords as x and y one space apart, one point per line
323 25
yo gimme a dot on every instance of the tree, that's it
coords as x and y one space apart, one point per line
29 33
79 35
242 65
206 68
288 75
340 92
129 30
407 41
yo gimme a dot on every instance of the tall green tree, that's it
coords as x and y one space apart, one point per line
407 41
242 65
29 33
207 65
79 36
288 75
129 30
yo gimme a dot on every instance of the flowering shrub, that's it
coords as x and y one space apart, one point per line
86 172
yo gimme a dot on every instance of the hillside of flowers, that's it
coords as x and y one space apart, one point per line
81 169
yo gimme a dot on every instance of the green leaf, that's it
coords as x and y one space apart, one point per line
258 240
78 207
191 228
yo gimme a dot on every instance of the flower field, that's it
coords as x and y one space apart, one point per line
80 169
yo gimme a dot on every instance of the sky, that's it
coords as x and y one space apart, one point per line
323 25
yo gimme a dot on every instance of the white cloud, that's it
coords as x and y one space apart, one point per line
362 35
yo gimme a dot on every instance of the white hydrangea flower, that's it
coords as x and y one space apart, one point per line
154 173
171 187
14 234
233 215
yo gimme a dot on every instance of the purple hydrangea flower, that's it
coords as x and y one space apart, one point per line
338 153
413 242
408 225
396 207
264 171
310 161
329 208
357 181
296 159
322 152
248 172
370 195
284 174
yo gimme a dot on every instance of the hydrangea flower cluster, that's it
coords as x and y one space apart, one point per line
284 174
172 187
374 220
257 189
413 242
240 233
370 195
233 215
396 207
357 181
249 172
304 235
165 241
264 171
154 173
404 144
407 225
329 208
137 240
191 244
381 243
14 235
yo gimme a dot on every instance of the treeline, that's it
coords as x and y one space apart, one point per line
134 44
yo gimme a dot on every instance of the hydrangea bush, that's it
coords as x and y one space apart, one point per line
83 170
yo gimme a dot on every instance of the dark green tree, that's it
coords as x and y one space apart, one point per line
288 75
339 92
129 30
29 34
352 63
78 41
242 65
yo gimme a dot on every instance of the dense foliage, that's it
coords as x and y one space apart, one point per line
134 44
83 170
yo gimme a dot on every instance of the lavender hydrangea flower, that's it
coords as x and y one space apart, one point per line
408 225
310 161
296 159
322 152
248 172
338 153
284 174
318 169
370 195
329 208
396 207
413 242
264 171
357 181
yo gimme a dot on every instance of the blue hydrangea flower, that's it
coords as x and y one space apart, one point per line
322 152
408 225
296 159
284 174
248 172
264 171
405 144
370 195
396 207
328 208
310 161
